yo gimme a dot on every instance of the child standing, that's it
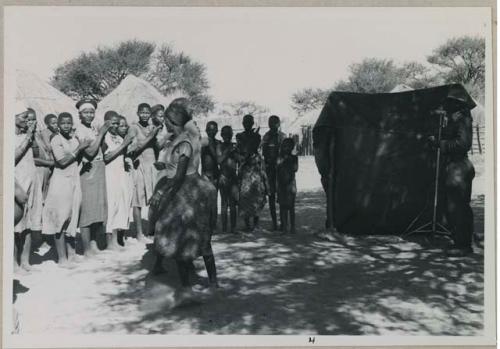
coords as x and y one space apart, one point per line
286 189
227 158
210 167
271 143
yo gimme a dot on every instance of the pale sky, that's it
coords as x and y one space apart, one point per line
258 54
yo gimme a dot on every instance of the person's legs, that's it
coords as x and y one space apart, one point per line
292 218
121 238
138 224
284 218
211 270
272 209
16 259
458 189
233 205
158 266
183 268
247 223
223 213
96 230
233 214
112 240
36 239
152 218
88 249
26 251
271 177
18 244
61 249
71 248
214 207
255 222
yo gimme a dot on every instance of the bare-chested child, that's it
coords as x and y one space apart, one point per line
271 143
209 165
286 186
227 157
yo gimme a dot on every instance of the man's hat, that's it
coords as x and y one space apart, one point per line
458 93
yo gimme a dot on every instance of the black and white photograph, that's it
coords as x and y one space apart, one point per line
228 176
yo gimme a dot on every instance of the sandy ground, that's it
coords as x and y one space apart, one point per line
271 284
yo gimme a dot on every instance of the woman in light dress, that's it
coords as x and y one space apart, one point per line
62 205
44 162
142 151
117 181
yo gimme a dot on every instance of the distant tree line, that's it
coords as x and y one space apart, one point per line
458 60
96 73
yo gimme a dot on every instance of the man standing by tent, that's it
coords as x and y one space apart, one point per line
457 170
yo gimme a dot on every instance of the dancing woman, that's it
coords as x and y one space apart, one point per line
180 206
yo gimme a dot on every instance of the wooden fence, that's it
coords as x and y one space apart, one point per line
305 146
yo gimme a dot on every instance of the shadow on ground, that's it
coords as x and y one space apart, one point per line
302 284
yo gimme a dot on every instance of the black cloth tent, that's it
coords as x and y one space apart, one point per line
374 159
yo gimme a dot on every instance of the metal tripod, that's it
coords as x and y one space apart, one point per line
433 226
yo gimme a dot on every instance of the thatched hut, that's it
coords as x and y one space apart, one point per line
42 97
125 98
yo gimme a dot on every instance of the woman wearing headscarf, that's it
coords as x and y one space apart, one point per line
94 209
180 204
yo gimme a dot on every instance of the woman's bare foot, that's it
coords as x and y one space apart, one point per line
65 263
25 268
21 272
186 296
114 246
143 239
93 249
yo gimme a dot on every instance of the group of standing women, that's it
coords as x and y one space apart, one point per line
87 179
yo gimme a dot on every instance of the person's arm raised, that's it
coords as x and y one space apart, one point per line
25 144
142 144
40 161
110 156
91 151
62 159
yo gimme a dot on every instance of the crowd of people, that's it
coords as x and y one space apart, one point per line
74 181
